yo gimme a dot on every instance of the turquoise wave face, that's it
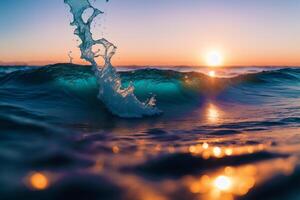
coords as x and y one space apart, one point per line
168 86
52 121
70 92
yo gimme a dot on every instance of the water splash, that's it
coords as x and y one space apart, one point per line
70 57
120 101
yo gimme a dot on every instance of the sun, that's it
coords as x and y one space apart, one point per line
214 59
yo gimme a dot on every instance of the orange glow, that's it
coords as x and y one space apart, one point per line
115 149
206 155
224 184
207 151
192 149
205 145
213 114
39 181
195 149
228 152
126 56
99 165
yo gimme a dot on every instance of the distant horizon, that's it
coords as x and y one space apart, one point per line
82 62
41 64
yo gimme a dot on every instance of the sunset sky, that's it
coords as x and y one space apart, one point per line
157 32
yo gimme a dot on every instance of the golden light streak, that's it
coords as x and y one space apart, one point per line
213 113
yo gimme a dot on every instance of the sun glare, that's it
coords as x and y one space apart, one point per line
214 59
212 73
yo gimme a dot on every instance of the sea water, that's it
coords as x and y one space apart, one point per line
233 136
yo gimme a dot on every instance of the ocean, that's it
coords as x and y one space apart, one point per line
231 136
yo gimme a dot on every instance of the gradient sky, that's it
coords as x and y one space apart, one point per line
157 32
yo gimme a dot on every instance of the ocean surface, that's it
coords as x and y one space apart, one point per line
235 135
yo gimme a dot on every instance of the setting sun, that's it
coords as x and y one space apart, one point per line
214 59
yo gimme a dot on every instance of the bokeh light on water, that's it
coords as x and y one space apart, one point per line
38 181
208 144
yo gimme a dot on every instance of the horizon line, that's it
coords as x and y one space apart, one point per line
22 64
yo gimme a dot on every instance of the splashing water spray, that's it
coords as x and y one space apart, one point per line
120 101
70 57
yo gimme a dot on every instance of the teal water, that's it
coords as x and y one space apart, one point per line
53 123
